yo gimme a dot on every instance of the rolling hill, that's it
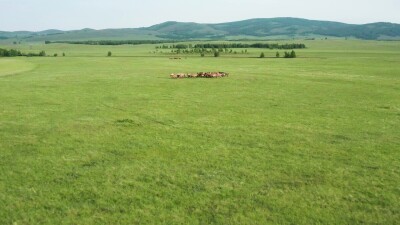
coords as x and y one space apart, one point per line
273 28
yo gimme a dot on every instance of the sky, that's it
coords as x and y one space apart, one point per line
37 15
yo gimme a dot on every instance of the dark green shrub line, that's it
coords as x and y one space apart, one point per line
14 53
232 45
202 51
291 54
183 46
255 45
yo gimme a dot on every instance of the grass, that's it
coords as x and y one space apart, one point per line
90 139
13 66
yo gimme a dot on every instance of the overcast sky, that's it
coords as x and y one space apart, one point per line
35 15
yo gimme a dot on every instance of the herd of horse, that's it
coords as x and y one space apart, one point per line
199 75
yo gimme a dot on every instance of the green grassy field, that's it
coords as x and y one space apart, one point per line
89 139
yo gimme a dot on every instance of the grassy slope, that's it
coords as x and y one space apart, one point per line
112 140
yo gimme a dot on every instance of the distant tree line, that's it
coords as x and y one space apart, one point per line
186 50
184 46
233 45
14 53
255 45
112 42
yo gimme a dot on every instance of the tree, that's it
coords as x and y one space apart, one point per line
181 46
278 55
216 54
13 53
202 54
63 53
10 53
55 54
293 54
287 55
262 55
109 54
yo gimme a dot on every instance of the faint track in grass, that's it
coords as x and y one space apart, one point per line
12 67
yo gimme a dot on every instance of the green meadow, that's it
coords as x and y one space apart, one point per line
91 139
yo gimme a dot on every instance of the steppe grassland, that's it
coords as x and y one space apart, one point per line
90 139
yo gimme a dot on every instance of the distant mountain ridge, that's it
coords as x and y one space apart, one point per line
262 28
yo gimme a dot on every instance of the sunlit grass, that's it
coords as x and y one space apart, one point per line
86 139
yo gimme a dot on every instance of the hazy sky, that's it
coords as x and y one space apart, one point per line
38 15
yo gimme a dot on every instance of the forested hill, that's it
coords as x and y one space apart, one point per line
278 27
274 28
